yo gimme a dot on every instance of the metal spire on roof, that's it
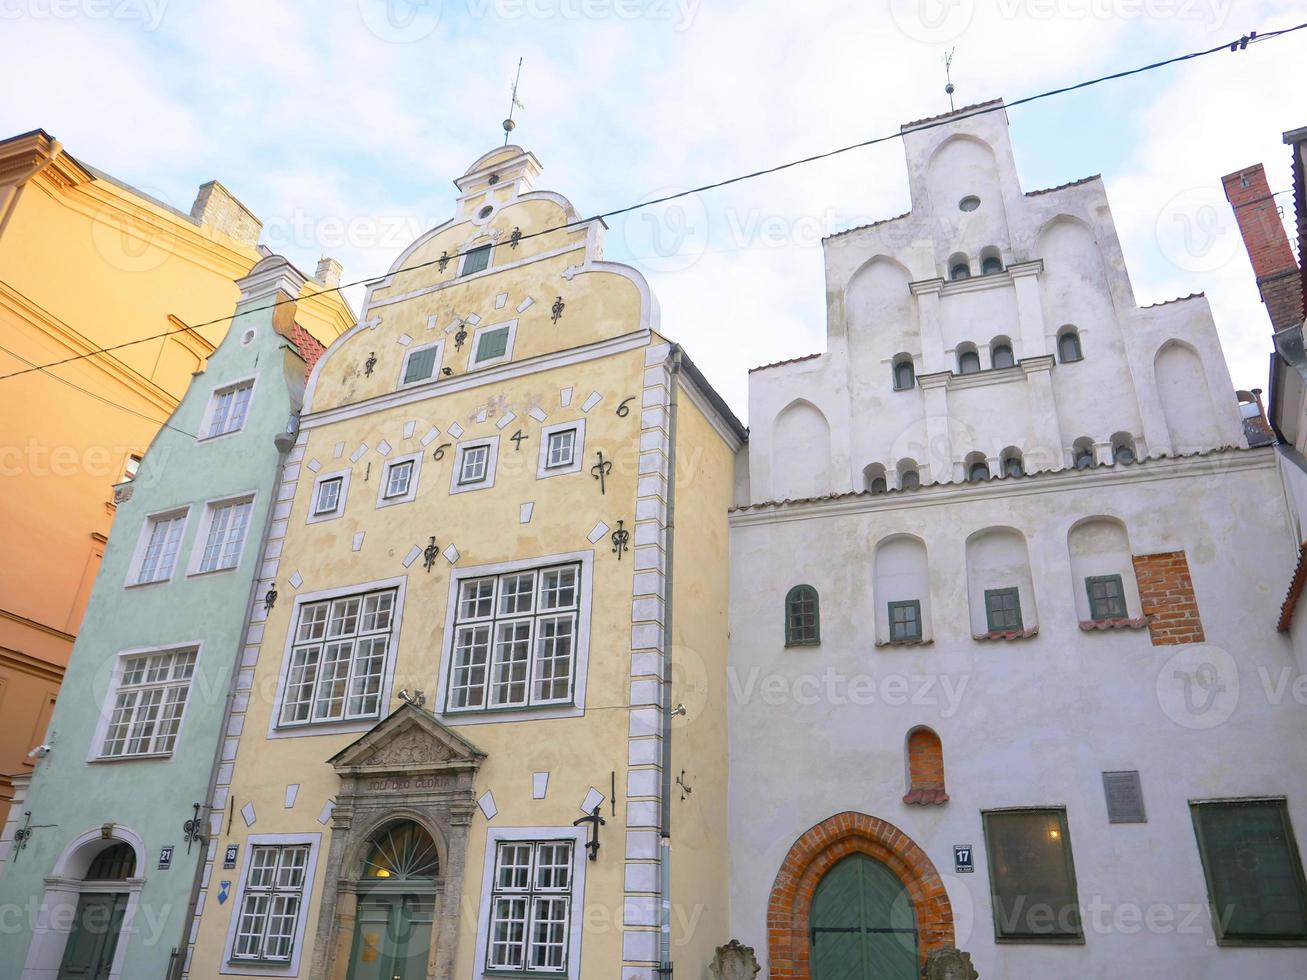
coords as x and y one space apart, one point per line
509 125
948 78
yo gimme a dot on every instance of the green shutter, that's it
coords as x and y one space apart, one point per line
1254 875
492 343
1003 610
905 620
1106 597
476 260
420 365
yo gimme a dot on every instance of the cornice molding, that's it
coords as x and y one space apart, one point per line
22 620
1046 481
31 666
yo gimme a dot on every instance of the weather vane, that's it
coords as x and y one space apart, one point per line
509 125
948 78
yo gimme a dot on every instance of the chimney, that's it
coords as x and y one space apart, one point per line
216 208
1268 245
329 272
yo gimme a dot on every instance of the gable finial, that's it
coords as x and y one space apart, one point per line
948 78
509 125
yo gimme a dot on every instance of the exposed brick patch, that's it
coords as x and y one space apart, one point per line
1268 248
1166 591
815 853
925 768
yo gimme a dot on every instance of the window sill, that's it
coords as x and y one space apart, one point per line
1040 940
220 435
1090 625
146 585
1007 634
904 643
1235 943
136 757
212 571
527 974
926 797
791 644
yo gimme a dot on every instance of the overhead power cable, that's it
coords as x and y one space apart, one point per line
1238 44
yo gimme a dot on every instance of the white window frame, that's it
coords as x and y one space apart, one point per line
543 470
439 345
474 364
212 406
581 662
492 463
206 522
310 728
411 494
95 750
143 542
494 837
313 516
263 968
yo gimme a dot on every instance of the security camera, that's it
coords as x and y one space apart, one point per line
40 752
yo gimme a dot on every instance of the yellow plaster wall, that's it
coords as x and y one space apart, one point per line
700 870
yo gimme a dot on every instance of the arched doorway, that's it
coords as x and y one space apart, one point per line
820 849
97 922
863 925
396 904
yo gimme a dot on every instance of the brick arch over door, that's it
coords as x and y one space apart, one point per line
815 853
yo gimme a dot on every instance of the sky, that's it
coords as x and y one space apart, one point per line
342 125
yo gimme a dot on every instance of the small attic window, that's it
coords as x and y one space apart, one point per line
492 180
485 212
969 203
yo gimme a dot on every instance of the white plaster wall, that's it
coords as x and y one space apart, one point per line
816 731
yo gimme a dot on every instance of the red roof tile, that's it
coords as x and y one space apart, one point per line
1061 187
792 360
1113 624
926 797
309 347
1295 590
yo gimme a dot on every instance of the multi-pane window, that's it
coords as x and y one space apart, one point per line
270 904
802 624
328 498
515 638
472 465
562 448
1106 597
1032 876
148 703
1254 874
1003 610
229 409
398 477
530 906
905 620
227 526
491 344
420 364
476 260
338 658
163 541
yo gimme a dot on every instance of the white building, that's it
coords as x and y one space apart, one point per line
1005 582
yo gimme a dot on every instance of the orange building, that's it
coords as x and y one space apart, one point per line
87 262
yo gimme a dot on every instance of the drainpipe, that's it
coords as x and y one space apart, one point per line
665 803
284 442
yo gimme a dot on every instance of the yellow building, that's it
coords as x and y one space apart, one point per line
87 263
480 592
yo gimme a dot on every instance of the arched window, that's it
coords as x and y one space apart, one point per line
802 617
1013 464
117 862
1082 453
958 266
401 851
909 477
925 768
968 360
1000 353
904 374
990 261
1123 448
1068 345
873 478
977 468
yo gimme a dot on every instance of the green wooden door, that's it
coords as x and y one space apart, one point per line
94 937
392 936
863 926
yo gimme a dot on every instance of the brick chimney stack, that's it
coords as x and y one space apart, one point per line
1267 244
